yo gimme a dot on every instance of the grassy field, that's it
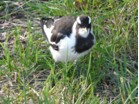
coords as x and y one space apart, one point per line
108 75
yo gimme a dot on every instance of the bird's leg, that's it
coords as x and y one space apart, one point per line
53 73
55 65
76 62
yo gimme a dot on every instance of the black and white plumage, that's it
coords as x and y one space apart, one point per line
69 37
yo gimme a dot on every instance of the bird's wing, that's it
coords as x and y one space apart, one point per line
62 28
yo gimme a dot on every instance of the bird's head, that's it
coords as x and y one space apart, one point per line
83 25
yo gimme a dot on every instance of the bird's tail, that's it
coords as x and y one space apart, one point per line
46 23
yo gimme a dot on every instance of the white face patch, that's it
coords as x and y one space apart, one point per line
78 20
84 32
89 19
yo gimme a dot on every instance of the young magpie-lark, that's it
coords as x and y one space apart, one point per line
69 37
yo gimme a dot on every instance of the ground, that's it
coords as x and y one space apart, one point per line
108 74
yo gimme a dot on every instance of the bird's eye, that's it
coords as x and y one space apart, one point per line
81 25
89 25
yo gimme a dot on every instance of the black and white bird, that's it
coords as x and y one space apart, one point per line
69 37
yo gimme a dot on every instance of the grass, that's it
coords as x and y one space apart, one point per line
108 74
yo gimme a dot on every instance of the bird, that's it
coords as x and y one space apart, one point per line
69 37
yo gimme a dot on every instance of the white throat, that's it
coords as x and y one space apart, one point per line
83 32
